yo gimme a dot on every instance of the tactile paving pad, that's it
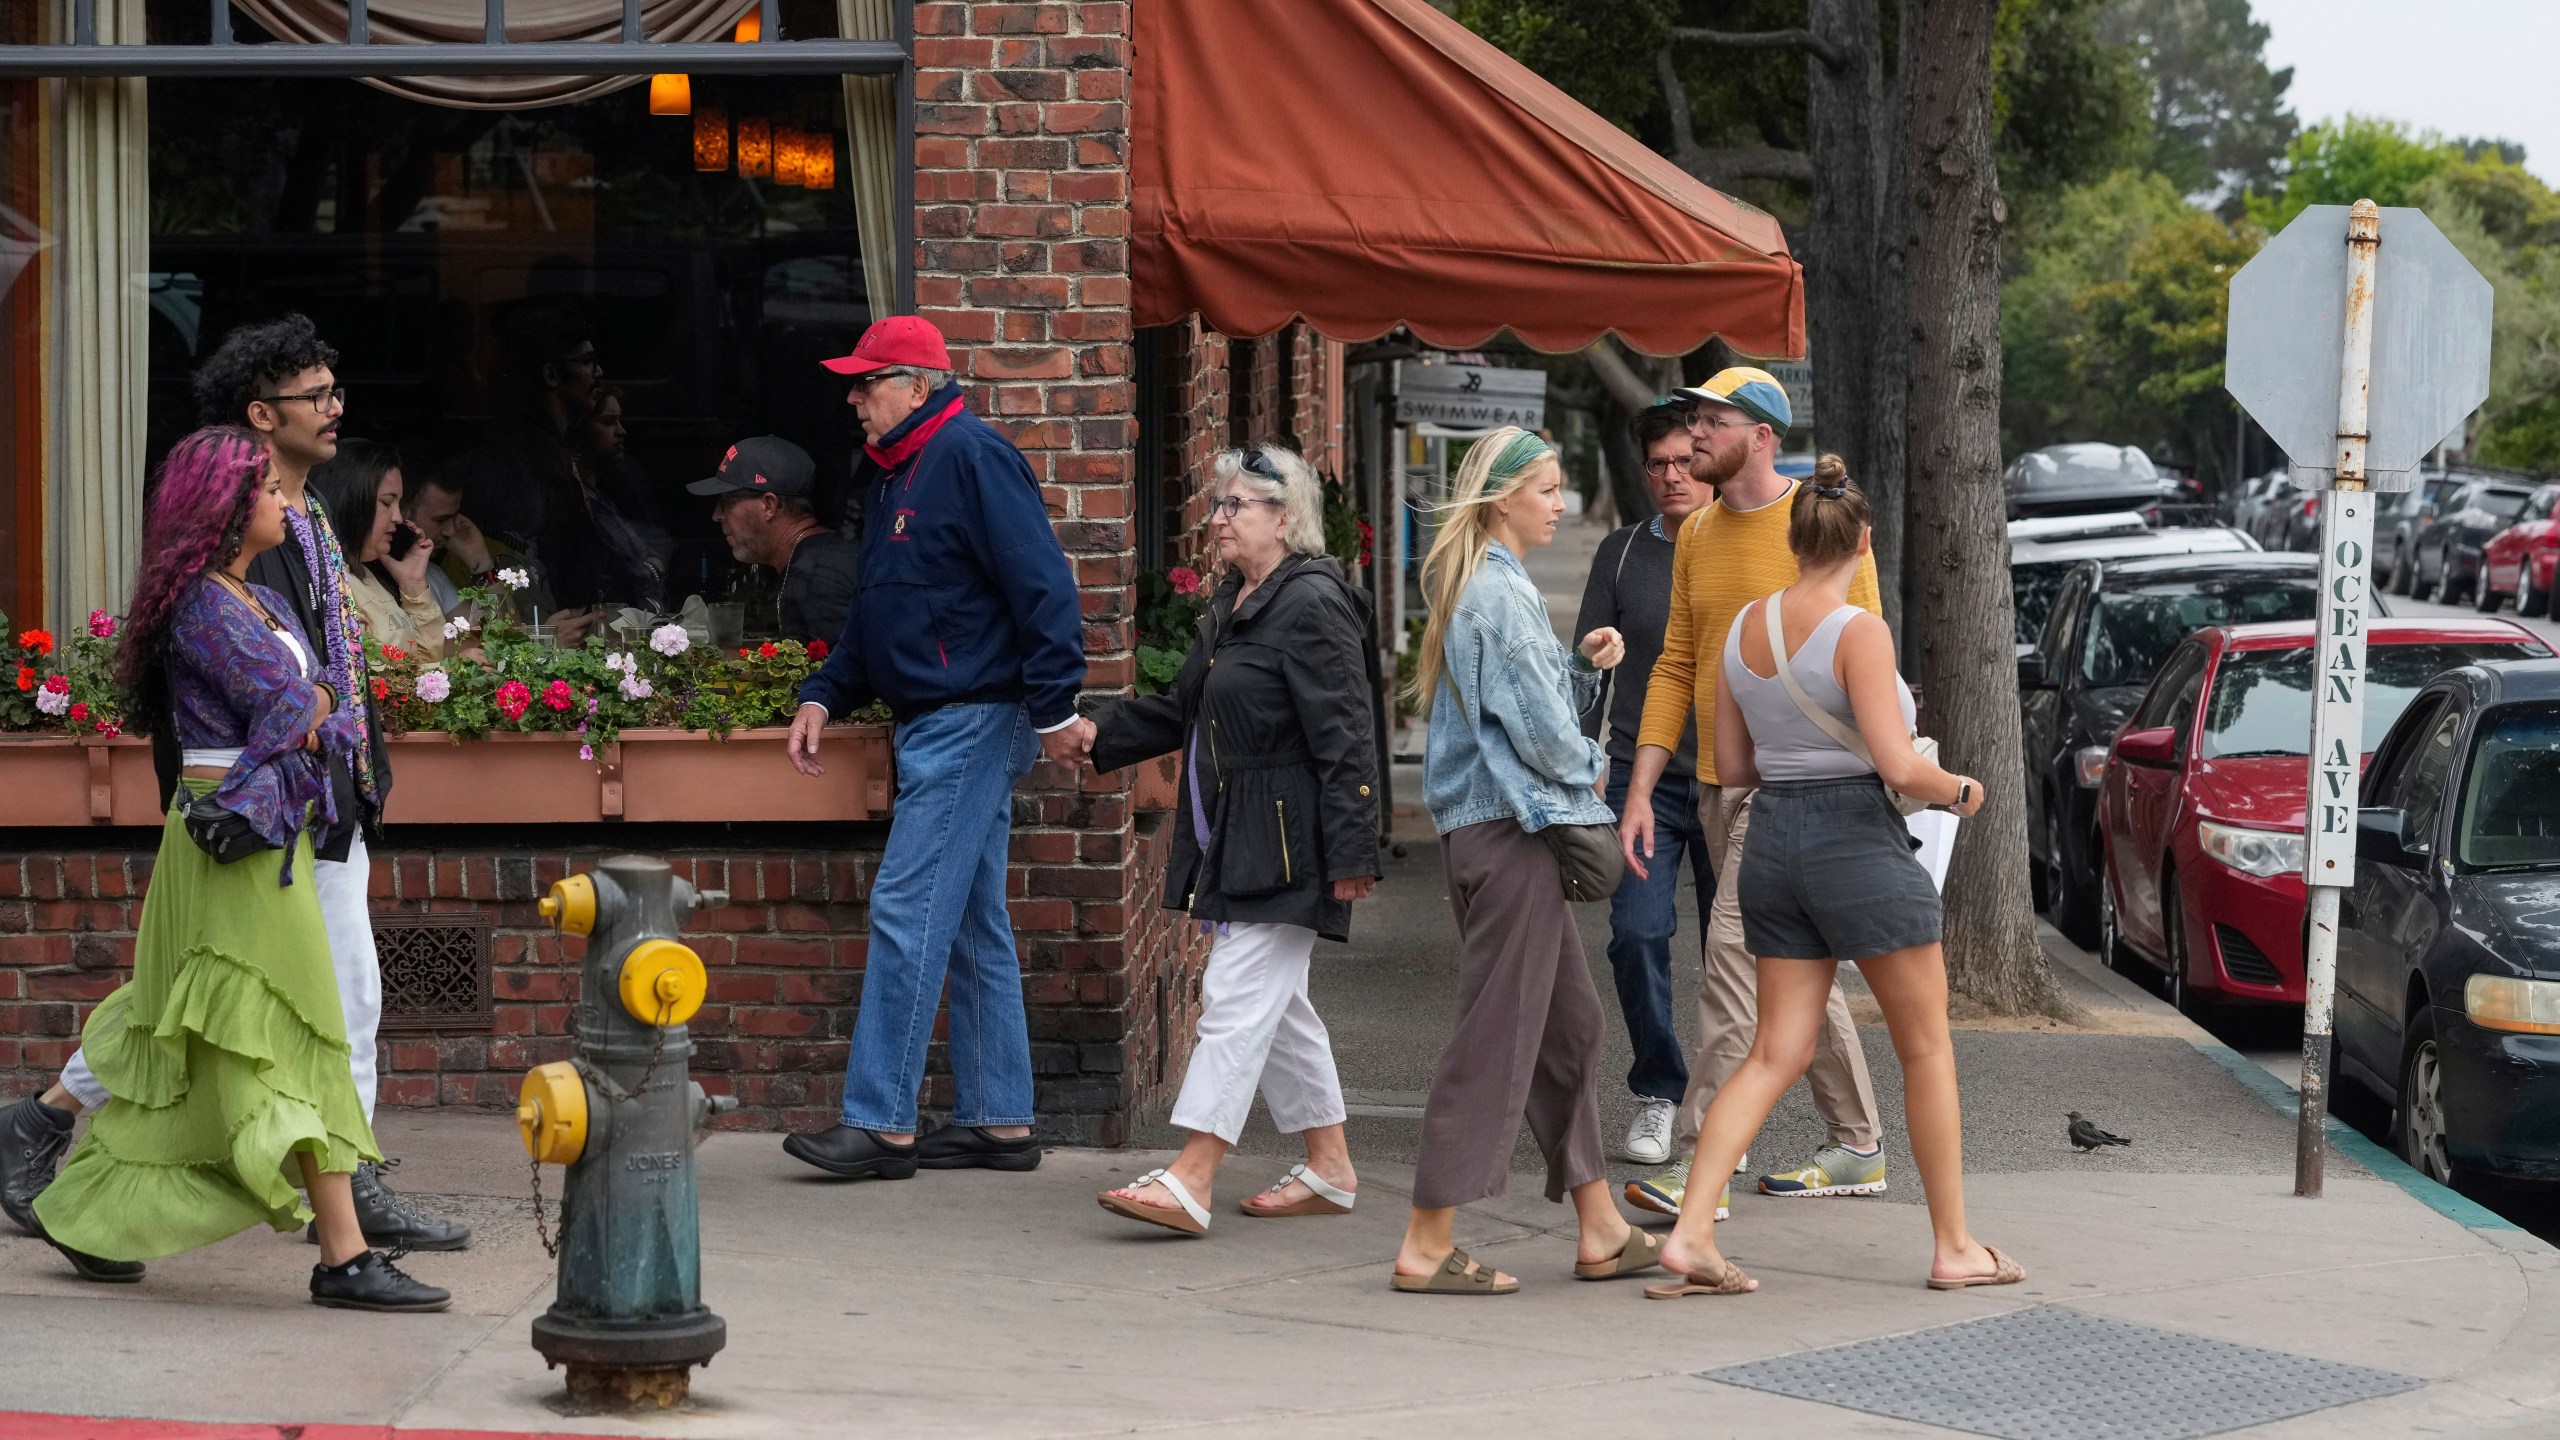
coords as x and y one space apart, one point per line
2047 1373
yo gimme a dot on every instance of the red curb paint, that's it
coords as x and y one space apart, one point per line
27 1425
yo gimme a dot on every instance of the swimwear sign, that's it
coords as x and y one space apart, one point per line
2338 677
1470 397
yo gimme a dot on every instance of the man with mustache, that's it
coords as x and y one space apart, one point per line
278 379
1731 552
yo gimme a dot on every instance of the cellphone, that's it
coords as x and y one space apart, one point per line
404 538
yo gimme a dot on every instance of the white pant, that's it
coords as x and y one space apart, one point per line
348 916
1257 1029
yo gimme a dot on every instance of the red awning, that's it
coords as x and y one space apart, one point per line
1372 163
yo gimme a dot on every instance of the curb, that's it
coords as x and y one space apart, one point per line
2349 1141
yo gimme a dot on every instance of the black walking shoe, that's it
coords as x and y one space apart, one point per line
854 1153
966 1147
371 1282
387 1220
33 1137
92 1267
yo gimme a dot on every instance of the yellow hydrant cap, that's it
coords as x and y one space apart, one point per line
663 982
571 905
551 1111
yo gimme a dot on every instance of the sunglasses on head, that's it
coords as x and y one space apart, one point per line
1260 464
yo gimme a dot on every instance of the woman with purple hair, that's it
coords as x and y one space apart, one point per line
226 1053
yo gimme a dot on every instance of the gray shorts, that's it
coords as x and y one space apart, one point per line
1828 872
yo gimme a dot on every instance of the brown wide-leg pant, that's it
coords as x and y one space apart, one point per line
1529 1027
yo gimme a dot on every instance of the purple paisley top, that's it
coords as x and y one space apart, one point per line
233 684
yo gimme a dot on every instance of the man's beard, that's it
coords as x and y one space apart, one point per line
1712 467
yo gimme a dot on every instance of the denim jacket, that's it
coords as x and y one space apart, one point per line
1506 736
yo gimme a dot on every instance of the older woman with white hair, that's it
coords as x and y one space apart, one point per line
1275 835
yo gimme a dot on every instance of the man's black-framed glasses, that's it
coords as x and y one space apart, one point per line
1228 507
323 401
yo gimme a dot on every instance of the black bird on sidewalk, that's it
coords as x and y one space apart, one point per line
2089 1137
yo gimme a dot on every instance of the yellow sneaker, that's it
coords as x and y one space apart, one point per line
1663 1193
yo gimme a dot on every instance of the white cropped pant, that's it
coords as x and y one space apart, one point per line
1259 1031
348 917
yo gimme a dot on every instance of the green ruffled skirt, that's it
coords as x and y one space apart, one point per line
227 1056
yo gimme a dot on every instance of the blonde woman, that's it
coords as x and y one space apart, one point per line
1811 709
1507 758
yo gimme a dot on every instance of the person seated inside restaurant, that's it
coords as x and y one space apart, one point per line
763 509
615 496
432 499
387 556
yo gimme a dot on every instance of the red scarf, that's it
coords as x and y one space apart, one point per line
903 449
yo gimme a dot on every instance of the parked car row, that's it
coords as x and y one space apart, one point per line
2470 534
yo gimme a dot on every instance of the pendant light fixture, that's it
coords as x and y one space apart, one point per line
670 94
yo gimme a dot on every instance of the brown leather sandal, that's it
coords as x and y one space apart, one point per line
2004 1271
1457 1275
1731 1282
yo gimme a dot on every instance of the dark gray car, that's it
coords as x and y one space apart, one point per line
2449 554
2082 477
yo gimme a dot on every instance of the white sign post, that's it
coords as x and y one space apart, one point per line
2407 369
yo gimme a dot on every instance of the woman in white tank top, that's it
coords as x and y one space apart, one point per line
1810 708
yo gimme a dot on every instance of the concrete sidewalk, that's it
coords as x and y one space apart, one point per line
966 1304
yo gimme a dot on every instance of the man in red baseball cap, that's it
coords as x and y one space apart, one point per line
966 624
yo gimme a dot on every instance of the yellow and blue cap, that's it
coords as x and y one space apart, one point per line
1755 393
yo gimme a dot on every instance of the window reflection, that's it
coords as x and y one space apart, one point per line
2130 632
2511 815
2262 698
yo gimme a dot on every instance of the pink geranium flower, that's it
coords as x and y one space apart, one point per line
512 699
1184 579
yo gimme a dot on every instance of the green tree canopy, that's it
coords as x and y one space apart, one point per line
2069 104
2219 121
2339 162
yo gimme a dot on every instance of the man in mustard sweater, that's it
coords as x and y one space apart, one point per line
1732 552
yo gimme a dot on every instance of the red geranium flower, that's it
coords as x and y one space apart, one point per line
1184 579
394 654
57 685
768 650
745 654
557 695
26 677
79 710
817 649
39 641
381 691
512 698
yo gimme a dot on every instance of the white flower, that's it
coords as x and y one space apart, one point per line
514 578
434 686
635 688
622 662
53 702
457 627
670 639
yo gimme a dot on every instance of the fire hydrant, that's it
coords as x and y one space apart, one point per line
627 1319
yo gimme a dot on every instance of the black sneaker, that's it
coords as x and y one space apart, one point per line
853 1153
966 1147
33 1137
387 1220
93 1268
371 1282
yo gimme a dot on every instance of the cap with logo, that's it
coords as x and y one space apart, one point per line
765 465
1755 393
899 342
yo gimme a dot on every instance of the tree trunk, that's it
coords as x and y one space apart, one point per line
1841 262
1889 385
1959 540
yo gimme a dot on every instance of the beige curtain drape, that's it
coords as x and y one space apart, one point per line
871 143
411 22
93 497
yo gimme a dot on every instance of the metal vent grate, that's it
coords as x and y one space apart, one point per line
2246 962
435 972
2048 1373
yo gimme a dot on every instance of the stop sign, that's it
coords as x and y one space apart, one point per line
2430 342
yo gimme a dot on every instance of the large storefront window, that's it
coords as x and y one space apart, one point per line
25 133
538 306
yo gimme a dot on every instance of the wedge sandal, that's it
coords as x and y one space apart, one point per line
2004 1271
1191 1219
1731 1282
1323 1197
1457 1275
1642 1251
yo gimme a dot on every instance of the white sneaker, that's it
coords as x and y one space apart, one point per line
1743 1165
1649 1134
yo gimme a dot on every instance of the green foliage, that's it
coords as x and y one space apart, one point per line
2219 124
2498 217
2355 158
47 684
2069 104
1601 55
1170 604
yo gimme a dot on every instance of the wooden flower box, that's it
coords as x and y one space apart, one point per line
646 776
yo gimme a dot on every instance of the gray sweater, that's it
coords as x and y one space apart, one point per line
1630 588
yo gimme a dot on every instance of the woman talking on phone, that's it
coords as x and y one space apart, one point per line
1811 709
387 578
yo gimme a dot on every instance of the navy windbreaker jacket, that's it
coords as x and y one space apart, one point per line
965 595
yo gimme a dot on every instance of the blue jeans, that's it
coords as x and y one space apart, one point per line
1643 916
937 908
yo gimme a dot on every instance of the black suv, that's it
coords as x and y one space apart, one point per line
2449 553
2111 625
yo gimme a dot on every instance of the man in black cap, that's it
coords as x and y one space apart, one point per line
763 510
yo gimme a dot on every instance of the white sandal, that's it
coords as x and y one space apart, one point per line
1192 1219
1323 1197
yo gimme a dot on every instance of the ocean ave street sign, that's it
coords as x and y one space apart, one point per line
2430 343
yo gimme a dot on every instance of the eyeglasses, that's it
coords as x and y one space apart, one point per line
1662 464
321 401
863 383
1704 421
586 358
1228 507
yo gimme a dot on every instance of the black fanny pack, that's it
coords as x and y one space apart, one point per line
225 835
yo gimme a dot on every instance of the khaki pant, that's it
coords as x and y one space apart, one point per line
1729 1000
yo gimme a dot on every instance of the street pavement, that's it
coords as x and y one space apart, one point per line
963 1304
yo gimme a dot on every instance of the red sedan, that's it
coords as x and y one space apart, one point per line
2519 560
2200 807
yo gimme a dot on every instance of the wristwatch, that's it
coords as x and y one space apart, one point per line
1964 792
